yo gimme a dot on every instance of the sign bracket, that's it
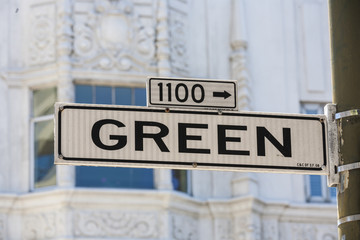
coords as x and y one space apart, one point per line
333 146
333 143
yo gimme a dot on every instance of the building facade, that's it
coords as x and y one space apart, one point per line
102 51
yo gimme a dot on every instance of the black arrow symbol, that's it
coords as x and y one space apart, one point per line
223 94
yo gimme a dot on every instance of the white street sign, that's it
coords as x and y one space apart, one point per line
119 136
192 93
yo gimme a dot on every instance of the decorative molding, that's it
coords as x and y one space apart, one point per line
304 231
102 224
178 24
111 36
238 59
223 229
184 227
162 39
65 175
248 227
177 217
41 225
270 228
65 39
64 34
42 34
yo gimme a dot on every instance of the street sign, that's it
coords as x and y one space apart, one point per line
103 135
192 93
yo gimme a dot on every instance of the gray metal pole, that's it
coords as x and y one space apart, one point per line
345 54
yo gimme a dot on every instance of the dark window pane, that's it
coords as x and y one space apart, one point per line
103 95
122 96
311 111
44 154
43 101
179 180
140 96
83 94
315 186
142 178
109 177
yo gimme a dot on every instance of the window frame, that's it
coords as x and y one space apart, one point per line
33 120
113 89
325 191
189 187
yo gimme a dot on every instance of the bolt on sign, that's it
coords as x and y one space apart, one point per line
121 136
192 93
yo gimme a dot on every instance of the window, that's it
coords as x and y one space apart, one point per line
316 185
180 180
111 176
42 134
318 191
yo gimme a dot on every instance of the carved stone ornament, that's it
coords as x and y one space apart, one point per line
64 30
41 225
178 48
248 228
112 36
270 229
304 232
42 35
184 228
223 229
102 224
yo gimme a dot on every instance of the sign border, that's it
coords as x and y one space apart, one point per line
234 82
189 164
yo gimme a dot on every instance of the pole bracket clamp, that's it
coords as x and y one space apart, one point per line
349 113
351 218
348 167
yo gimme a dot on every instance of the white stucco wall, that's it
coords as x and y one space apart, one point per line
264 44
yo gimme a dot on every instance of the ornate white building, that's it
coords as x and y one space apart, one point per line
102 51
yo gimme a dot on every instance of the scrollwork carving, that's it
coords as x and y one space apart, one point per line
162 39
184 228
248 228
40 226
113 37
42 35
116 224
178 48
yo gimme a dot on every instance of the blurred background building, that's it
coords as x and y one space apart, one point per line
102 51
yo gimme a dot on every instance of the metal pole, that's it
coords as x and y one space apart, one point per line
345 54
